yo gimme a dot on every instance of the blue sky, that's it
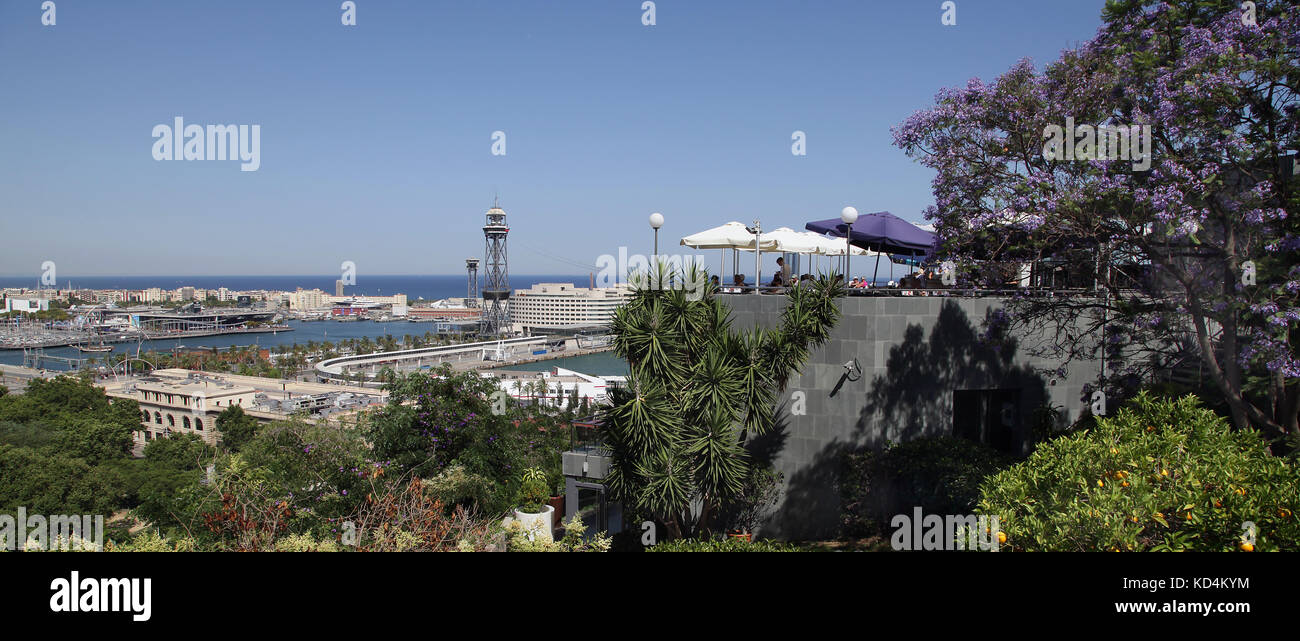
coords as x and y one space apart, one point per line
376 139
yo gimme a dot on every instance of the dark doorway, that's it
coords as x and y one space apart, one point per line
989 416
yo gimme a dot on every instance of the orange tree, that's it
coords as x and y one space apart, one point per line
1163 474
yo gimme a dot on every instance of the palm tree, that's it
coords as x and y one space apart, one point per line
697 391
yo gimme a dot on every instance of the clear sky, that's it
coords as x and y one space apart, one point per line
376 139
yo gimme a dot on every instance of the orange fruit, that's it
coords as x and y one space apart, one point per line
1246 547
1002 537
1100 484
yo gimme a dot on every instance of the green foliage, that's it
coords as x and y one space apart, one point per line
725 545
697 390
533 491
150 541
757 496
574 539
236 427
64 449
1162 474
46 482
433 423
456 486
940 475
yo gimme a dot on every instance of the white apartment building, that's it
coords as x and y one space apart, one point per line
551 306
27 304
306 299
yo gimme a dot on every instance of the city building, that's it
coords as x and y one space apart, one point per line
556 307
26 304
306 299
182 401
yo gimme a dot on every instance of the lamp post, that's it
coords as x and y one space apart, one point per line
849 215
656 221
758 256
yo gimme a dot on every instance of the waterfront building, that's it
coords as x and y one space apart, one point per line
448 309
366 301
557 307
26 304
182 401
306 299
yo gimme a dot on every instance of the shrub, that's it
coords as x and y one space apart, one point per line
455 485
150 541
1162 474
572 541
725 545
757 496
939 475
533 492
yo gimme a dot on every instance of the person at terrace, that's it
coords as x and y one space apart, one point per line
737 284
783 270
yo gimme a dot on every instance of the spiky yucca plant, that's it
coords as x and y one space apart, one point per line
697 391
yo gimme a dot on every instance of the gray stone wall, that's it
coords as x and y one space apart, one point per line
914 351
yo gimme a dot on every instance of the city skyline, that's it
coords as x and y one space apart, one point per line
376 139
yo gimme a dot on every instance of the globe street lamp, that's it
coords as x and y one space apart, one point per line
656 221
849 215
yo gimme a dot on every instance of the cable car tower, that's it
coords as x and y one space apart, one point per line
496 284
471 295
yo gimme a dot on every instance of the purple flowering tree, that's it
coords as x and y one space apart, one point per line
1153 170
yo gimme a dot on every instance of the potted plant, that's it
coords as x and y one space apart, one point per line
533 513
759 493
557 502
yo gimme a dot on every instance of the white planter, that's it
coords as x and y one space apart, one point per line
537 525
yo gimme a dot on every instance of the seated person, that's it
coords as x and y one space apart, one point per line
737 284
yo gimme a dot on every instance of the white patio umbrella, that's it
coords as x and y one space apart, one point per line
732 235
787 241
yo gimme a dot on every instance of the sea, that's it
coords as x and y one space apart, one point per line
427 287
415 287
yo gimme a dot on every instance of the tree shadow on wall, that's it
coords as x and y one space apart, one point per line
810 507
914 397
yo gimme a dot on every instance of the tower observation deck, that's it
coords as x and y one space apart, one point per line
496 283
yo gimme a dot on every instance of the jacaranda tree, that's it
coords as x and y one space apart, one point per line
1158 160
697 391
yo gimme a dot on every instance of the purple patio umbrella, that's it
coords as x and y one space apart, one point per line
881 232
